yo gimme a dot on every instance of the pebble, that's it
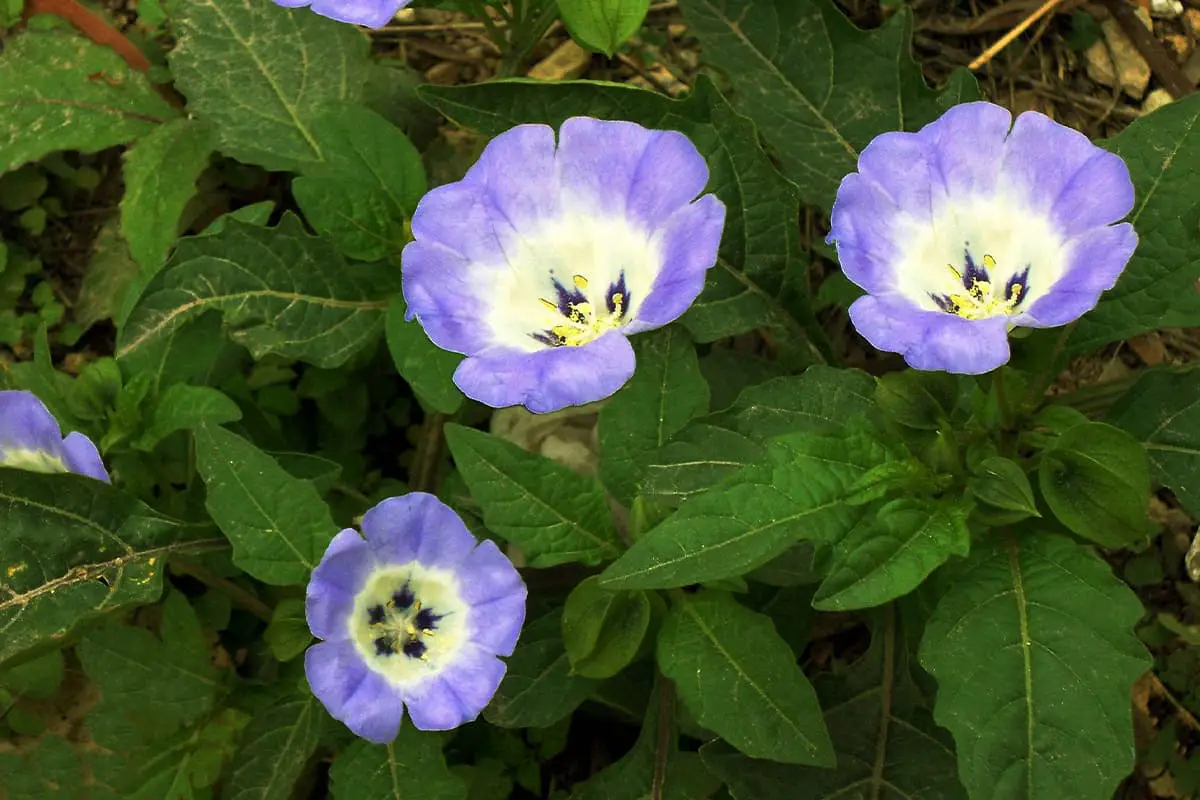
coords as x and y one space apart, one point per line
1131 72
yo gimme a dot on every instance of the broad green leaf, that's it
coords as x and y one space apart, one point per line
1162 411
553 514
1157 288
262 76
51 769
37 679
602 25
890 552
287 635
741 681
279 291
755 514
156 684
427 368
654 768
823 91
410 767
1001 483
73 549
274 749
886 742
59 91
1096 480
538 689
696 459
1033 650
603 630
665 393
320 472
182 407
160 178
278 525
915 399
822 397
369 183
111 275
757 282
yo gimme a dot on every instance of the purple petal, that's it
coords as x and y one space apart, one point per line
443 290
458 694
496 624
26 424
931 340
352 693
550 379
487 574
372 13
966 145
1095 262
342 573
417 526
867 228
82 457
518 178
619 168
1057 170
690 239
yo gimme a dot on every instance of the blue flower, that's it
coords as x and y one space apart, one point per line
372 13
543 259
966 229
413 615
31 439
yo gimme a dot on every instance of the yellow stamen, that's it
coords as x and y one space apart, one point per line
580 282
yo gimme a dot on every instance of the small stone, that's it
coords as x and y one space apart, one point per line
568 61
1178 44
1156 99
443 74
676 30
1168 9
1191 22
1130 72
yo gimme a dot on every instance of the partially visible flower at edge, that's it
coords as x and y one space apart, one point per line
30 439
542 261
413 613
371 13
967 229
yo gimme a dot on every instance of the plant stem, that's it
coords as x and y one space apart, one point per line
238 595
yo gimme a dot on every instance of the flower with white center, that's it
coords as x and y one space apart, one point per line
371 13
975 225
546 256
30 439
413 614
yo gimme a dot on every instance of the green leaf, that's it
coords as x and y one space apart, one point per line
602 25
155 684
287 635
755 514
820 398
654 768
603 630
889 554
410 767
757 282
538 689
262 76
741 681
553 514
111 274
886 742
73 549
1033 650
275 747
278 525
427 368
1162 411
279 290
160 178
371 179
1096 480
183 408
697 458
59 91
820 94
49 770
1157 288
915 399
665 393
37 679
1001 483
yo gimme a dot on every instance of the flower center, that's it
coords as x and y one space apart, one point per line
32 460
581 322
408 621
979 298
